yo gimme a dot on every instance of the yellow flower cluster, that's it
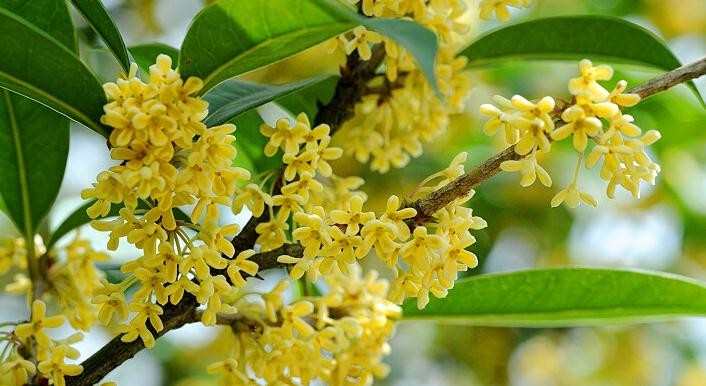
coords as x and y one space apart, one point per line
339 338
501 8
51 355
71 276
401 110
594 113
335 232
168 158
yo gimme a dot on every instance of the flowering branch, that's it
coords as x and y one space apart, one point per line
436 200
335 112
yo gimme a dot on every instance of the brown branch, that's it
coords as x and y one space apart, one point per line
336 112
427 206
671 79
116 351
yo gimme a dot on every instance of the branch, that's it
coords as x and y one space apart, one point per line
671 79
427 206
113 354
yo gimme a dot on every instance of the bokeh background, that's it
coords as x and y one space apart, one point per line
664 230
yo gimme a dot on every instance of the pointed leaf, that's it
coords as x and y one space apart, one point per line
566 297
232 37
233 97
51 16
36 65
97 16
34 145
574 37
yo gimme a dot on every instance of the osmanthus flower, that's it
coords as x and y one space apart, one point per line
397 216
113 305
382 236
579 125
229 370
137 328
252 197
572 196
305 185
353 216
299 164
587 83
341 252
324 153
56 368
500 8
241 264
620 98
37 325
285 136
200 260
218 237
529 169
19 369
149 311
312 231
287 204
360 40
151 283
271 234
422 247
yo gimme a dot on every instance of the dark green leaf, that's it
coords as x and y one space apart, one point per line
34 145
146 54
574 37
308 99
97 16
232 37
566 297
51 16
233 97
38 66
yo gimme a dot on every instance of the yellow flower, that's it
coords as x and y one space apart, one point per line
341 252
19 369
422 247
580 125
353 217
381 235
572 196
151 282
500 8
287 203
55 367
38 323
137 328
254 198
271 234
313 231
285 136
229 370
302 163
217 237
112 300
396 216
619 97
586 84
292 318
530 169
242 264
361 41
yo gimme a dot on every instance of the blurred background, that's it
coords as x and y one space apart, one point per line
664 230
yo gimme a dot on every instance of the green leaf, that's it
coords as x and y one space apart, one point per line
38 66
233 97
51 16
76 219
566 297
574 37
97 16
232 37
307 100
146 54
34 145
